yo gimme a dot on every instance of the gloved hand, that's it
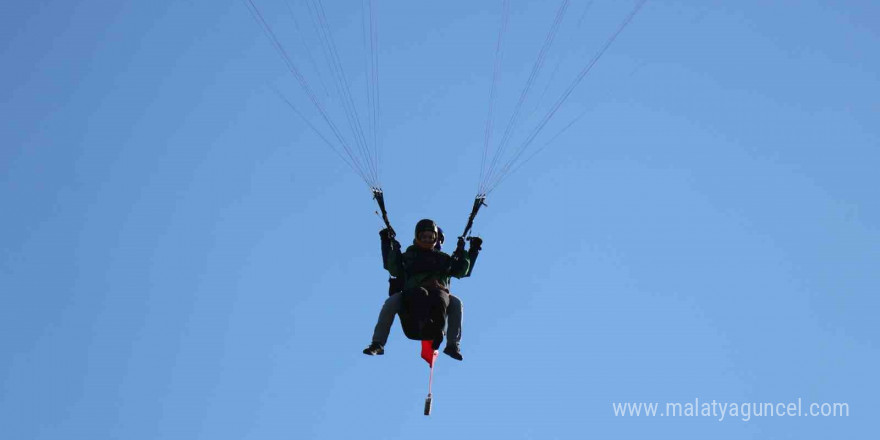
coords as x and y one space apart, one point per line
459 247
476 243
386 234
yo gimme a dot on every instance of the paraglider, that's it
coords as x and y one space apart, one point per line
423 300
419 290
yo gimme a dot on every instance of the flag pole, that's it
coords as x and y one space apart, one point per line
429 399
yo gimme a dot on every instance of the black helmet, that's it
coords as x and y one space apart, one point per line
440 238
426 225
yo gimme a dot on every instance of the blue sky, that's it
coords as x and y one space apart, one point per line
182 258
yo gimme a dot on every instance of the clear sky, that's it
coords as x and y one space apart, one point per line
182 258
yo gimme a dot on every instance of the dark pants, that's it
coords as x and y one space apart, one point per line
427 307
394 305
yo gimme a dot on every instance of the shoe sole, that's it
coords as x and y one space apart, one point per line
456 358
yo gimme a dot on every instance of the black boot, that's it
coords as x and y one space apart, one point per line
374 349
453 352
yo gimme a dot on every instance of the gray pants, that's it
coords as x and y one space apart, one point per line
395 302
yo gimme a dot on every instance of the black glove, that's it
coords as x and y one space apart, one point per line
476 243
460 246
386 234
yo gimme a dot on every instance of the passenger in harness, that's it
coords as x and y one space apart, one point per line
419 291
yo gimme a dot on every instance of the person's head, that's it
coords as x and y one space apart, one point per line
427 234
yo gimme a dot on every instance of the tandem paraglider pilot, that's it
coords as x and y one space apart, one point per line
419 289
